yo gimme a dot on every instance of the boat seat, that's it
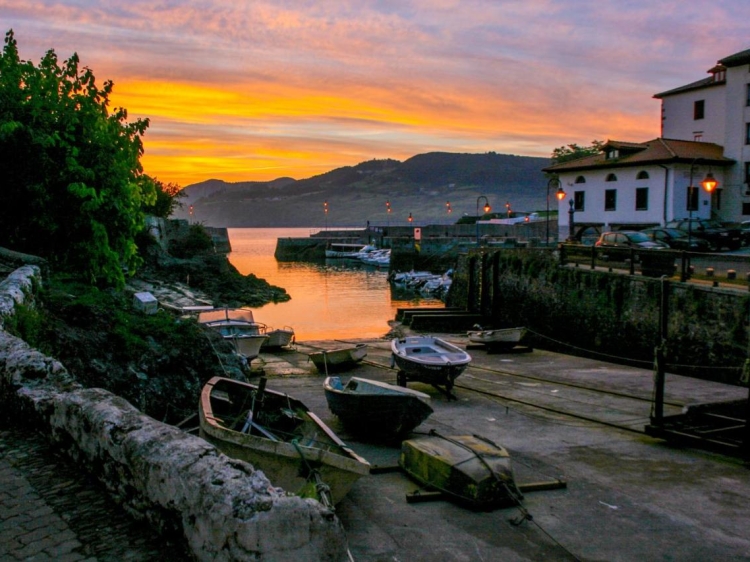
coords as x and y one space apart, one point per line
421 351
336 383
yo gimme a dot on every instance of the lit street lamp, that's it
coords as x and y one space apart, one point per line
709 183
560 194
487 209
410 219
325 211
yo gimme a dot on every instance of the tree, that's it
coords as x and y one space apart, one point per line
74 190
167 198
573 151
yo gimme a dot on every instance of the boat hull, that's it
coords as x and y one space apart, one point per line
428 359
469 469
376 408
280 337
287 464
505 337
336 360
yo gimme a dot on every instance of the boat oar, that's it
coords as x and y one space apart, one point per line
255 411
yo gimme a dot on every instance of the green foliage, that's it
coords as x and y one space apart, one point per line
166 199
197 242
573 151
26 323
73 189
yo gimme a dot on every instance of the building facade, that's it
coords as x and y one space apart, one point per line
705 130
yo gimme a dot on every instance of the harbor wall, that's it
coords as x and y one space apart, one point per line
607 314
225 509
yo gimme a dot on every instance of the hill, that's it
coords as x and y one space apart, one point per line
421 185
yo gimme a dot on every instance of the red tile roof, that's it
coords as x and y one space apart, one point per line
656 151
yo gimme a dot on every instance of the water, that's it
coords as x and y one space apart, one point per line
339 299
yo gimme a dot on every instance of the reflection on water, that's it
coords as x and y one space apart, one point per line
334 300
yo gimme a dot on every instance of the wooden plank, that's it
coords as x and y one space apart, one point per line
542 486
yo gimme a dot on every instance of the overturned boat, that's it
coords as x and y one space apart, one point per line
280 436
502 338
376 408
469 469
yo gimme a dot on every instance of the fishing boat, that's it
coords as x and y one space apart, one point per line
468 469
237 326
340 359
280 436
373 407
501 338
428 359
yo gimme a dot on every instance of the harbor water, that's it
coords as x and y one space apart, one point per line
332 300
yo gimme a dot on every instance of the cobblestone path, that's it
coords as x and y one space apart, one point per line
51 510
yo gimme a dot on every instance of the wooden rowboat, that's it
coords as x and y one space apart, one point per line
428 359
280 436
469 469
376 408
330 360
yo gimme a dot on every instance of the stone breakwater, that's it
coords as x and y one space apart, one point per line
225 509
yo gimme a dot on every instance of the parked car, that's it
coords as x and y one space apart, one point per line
677 239
745 232
711 231
628 239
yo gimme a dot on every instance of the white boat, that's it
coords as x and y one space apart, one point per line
501 338
237 326
340 359
428 359
344 250
378 258
280 436
280 337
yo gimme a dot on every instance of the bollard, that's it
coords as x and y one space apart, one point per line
731 274
709 272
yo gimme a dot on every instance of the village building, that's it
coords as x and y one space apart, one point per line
705 131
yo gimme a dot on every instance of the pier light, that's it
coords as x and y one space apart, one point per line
709 183
411 219
560 194
487 209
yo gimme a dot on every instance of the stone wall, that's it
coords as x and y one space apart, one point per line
226 509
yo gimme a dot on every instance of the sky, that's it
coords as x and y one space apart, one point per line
256 90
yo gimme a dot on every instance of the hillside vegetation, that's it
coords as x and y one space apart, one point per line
421 185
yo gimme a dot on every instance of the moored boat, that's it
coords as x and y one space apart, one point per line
340 359
500 338
428 359
237 326
469 469
344 250
376 408
280 337
280 436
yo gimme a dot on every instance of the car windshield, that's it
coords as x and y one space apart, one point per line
674 233
709 224
638 237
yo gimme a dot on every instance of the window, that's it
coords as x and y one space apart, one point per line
580 179
747 133
717 198
697 137
699 109
746 209
578 200
747 94
692 198
613 153
641 199
610 200
747 173
642 175
611 177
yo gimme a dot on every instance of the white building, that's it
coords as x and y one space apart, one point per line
705 129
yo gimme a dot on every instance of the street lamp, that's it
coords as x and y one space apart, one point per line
709 183
325 211
560 196
487 209
448 208
411 218
388 213
507 208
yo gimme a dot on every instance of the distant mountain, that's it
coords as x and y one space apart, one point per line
421 185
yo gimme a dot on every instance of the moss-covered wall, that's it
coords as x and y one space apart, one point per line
613 316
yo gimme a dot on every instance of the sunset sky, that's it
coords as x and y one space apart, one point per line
257 90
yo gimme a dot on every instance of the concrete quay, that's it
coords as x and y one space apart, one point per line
629 497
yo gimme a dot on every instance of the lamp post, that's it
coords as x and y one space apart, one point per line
560 194
571 223
410 219
487 209
325 212
388 213
448 208
709 183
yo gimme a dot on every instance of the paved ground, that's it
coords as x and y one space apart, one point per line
50 510
628 497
